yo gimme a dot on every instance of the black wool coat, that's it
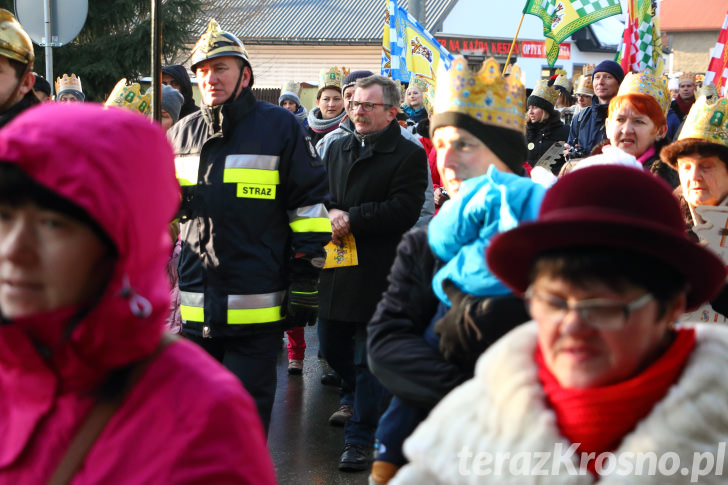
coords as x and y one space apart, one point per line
380 181
540 137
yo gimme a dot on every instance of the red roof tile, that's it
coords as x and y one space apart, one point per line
686 15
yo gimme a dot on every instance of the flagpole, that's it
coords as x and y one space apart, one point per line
513 44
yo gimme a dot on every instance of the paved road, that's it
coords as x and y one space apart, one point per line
305 448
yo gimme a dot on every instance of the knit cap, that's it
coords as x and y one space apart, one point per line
289 96
351 78
172 101
612 68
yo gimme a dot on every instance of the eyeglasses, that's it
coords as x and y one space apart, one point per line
599 313
365 106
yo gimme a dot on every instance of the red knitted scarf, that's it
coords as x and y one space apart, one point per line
685 105
598 418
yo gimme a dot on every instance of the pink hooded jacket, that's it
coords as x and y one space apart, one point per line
187 419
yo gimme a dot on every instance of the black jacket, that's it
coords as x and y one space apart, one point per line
399 356
379 180
540 137
255 196
27 101
180 74
660 168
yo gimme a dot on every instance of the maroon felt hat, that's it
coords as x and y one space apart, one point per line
609 206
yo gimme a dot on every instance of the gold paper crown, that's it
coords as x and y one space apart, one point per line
585 86
332 78
483 95
707 120
545 92
428 98
420 82
647 83
130 97
65 82
686 77
585 81
292 87
707 90
400 88
562 80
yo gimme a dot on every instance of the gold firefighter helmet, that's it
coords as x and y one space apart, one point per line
15 43
217 43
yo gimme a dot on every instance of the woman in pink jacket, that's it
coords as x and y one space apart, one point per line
91 389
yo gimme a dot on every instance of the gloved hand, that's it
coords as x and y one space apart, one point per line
302 298
472 324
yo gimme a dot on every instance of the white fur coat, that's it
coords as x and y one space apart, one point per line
502 410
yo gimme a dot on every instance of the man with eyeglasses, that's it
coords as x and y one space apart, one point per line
346 127
376 181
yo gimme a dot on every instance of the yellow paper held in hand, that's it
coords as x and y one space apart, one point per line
341 255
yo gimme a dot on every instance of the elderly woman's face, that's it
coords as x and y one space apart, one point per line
413 97
704 180
47 261
632 131
581 355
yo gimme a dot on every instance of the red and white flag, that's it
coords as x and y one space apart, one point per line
717 72
641 45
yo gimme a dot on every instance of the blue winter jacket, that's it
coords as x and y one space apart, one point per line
587 127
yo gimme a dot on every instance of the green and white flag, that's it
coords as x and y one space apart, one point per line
561 18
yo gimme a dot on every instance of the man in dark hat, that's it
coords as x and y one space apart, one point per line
253 220
587 128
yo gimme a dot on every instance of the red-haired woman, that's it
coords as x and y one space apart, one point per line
636 122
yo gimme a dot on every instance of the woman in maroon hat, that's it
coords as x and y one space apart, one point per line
602 384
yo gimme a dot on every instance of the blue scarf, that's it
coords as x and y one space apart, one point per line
414 115
460 233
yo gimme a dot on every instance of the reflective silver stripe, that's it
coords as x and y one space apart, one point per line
263 300
189 298
261 162
308 212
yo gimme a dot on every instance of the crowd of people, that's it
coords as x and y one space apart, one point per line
495 276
